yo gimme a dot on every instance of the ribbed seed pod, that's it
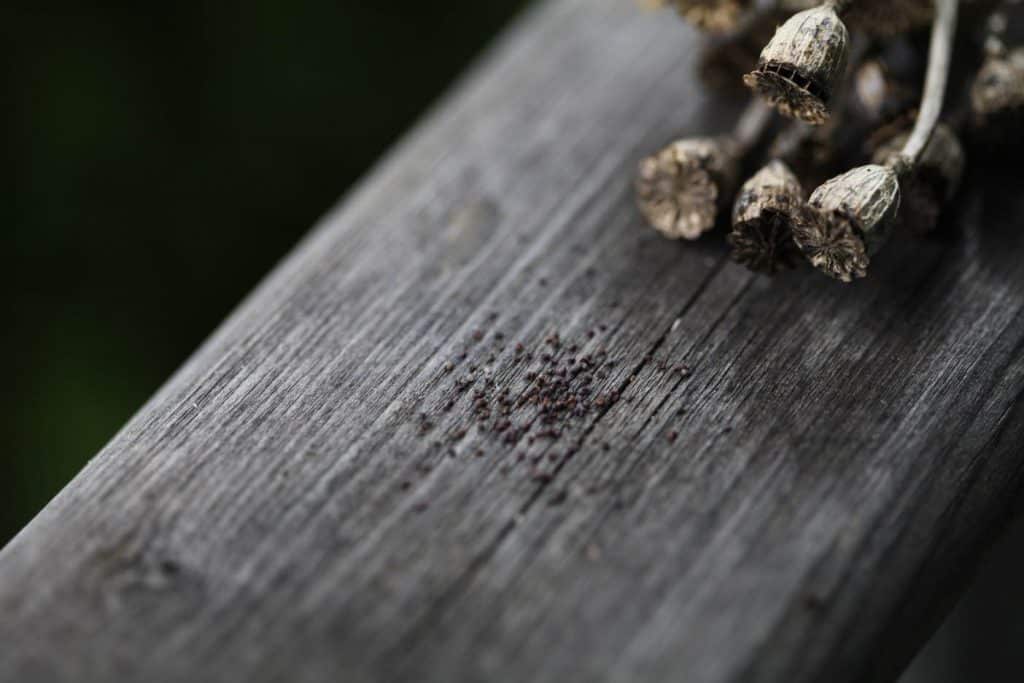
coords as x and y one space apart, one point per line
997 97
934 180
678 189
888 17
803 64
766 208
855 212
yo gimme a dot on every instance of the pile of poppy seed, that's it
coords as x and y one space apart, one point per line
548 393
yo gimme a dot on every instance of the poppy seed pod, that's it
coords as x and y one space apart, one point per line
678 189
854 213
997 97
803 64
766 208
933 181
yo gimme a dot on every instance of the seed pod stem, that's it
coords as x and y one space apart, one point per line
940 53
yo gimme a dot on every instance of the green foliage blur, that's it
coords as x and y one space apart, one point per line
161 157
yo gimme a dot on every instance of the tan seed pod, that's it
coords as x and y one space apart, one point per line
932 182
678 189
997 97
803 64
766 208
854 213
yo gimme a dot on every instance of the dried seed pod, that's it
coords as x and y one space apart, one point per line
713 16
803 64
932 182
678 189
854 213
888 17
997 97
766 208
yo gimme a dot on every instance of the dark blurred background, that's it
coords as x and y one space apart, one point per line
161 157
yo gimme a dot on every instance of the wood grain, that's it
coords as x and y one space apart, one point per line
800 505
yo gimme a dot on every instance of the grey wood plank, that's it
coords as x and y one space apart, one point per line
314 497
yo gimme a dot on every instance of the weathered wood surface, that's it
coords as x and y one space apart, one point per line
279 511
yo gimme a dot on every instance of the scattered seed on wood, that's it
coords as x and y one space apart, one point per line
560 497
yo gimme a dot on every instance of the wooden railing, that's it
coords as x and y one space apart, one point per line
484 425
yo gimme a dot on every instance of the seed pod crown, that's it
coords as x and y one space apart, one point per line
678 188
766 208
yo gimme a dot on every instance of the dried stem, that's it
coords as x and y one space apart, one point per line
940 52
